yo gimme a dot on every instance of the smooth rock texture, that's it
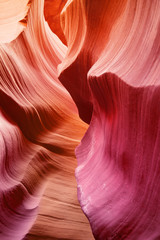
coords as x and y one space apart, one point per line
39 130
113 75
97 63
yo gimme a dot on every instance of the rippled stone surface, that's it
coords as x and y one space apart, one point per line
102 58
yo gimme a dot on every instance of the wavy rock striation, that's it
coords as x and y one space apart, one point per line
39 130
113 74
110 67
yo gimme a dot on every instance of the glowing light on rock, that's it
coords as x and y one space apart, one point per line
105 58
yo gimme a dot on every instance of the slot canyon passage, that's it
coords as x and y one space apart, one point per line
79 119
